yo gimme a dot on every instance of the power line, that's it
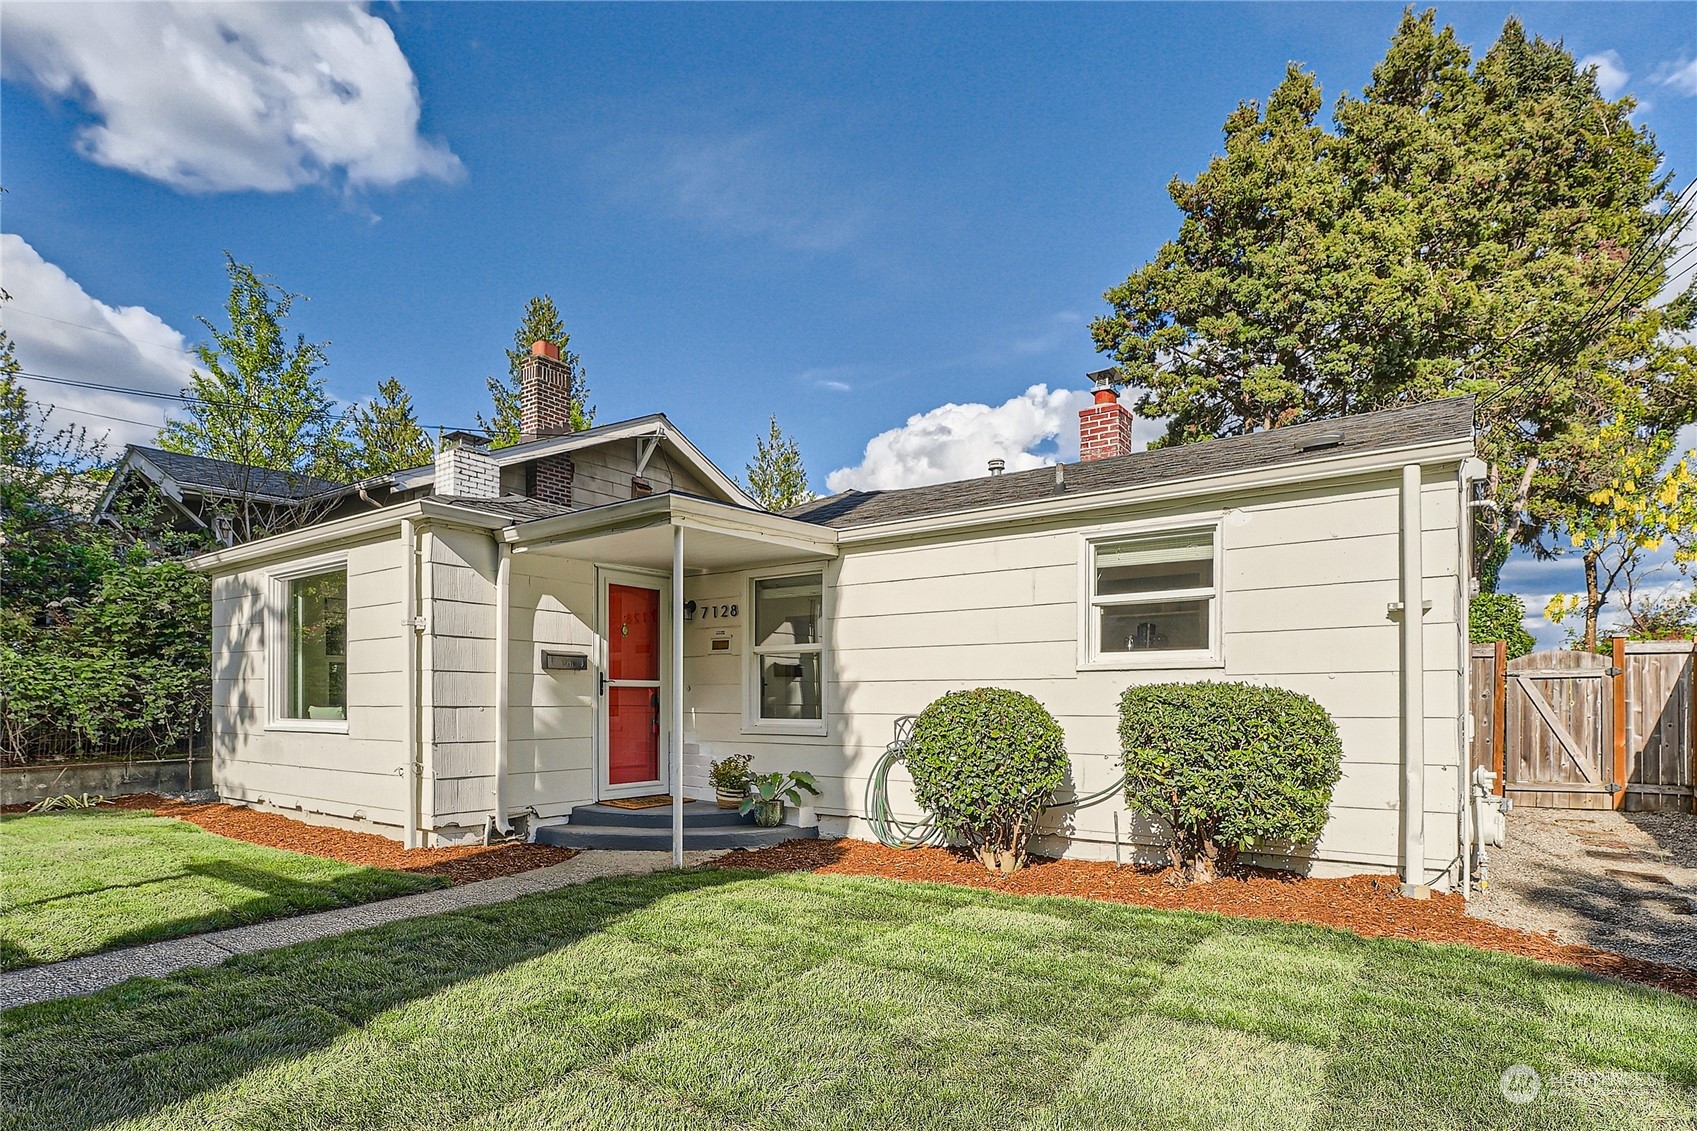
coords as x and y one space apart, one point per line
97 330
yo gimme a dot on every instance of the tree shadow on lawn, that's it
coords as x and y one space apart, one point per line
151 1043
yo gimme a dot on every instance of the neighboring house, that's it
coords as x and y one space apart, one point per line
495 646
152 487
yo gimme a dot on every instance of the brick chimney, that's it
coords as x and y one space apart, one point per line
1104 429
545 393
465 469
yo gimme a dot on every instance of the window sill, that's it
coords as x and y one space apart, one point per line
309 726
786 730
1176 661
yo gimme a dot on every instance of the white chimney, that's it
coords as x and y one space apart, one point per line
465 469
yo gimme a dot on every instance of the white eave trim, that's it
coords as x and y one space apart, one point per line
1037 510
326 535
677 510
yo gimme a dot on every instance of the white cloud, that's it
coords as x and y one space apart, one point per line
1611 71
59 330
1681 76
956 441
226 97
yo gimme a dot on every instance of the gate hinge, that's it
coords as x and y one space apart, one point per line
1615 787
1612 672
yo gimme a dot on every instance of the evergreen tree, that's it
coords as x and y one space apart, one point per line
259 401
1449 234
386 433
541 324
776 477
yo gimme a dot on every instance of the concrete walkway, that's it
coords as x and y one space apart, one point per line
77 976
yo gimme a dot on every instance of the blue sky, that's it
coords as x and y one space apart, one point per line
847 215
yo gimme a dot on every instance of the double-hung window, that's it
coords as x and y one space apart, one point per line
1154 598
787 653
310 649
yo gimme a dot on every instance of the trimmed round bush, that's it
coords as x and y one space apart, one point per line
985 762
1227 764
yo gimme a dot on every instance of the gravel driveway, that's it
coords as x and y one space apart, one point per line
1625 882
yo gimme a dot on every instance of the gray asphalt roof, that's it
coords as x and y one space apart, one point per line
1434 421
515 508
207 474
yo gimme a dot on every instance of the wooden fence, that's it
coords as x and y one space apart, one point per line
1579 730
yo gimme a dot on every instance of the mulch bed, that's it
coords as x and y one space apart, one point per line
1366 905
460 865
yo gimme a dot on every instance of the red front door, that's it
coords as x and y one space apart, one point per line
633 684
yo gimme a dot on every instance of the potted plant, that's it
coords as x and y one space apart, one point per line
730 779
769 793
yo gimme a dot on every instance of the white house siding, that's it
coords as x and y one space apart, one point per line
357 775
602 474
551 714
1307 576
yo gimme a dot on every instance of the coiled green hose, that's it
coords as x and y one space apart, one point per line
895 833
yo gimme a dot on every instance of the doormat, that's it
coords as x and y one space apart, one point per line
652 801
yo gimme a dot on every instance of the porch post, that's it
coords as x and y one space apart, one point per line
677 698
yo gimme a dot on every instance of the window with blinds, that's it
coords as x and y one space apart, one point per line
1154 593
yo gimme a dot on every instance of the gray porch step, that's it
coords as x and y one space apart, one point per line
697 815
650 839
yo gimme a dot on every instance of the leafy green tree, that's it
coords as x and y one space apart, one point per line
1451 232
776 477
541 324
385 433
1499 616
257 399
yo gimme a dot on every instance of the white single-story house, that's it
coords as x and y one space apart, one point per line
510 635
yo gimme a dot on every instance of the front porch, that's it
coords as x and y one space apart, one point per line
641 552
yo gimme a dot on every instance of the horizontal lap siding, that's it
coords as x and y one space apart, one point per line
602 474
355 775
551 716
1307 581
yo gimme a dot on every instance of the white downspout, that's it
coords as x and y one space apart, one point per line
503 681
412 626
1413 691
1465 475
677 703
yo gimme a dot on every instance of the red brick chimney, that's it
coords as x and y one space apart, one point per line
545 393
1104 429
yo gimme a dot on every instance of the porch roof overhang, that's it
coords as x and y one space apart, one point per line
638 533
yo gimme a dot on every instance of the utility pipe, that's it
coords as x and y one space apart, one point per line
677 704
503 680
411 629
1413 691
1464 477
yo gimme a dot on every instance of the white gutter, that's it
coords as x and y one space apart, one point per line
1030 511
503 681
412 626
339 531
677 697
1413 691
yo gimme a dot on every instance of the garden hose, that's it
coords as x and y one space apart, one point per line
895 833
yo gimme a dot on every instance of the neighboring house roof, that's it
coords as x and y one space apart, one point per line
653 426
203 475
1432 422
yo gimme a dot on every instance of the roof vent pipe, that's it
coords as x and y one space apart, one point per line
997 466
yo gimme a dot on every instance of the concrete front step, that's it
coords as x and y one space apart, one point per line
648 838
697 815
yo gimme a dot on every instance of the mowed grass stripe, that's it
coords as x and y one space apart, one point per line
720 1000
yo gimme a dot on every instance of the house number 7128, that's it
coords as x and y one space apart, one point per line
718 612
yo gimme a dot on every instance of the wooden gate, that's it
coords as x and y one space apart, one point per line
1580 730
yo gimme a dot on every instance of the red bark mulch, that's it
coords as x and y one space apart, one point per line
460 865
1366 905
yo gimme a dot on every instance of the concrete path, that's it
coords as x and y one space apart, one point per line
77 976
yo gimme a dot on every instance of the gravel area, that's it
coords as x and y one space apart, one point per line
1625 882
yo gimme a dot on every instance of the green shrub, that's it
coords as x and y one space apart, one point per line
1227 764
985 762
1499 616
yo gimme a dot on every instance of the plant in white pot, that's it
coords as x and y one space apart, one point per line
730 779
769 793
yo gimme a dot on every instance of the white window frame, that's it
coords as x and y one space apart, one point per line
1090 654
277 646
752 723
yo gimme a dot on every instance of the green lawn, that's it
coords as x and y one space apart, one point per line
79 882
709 1000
